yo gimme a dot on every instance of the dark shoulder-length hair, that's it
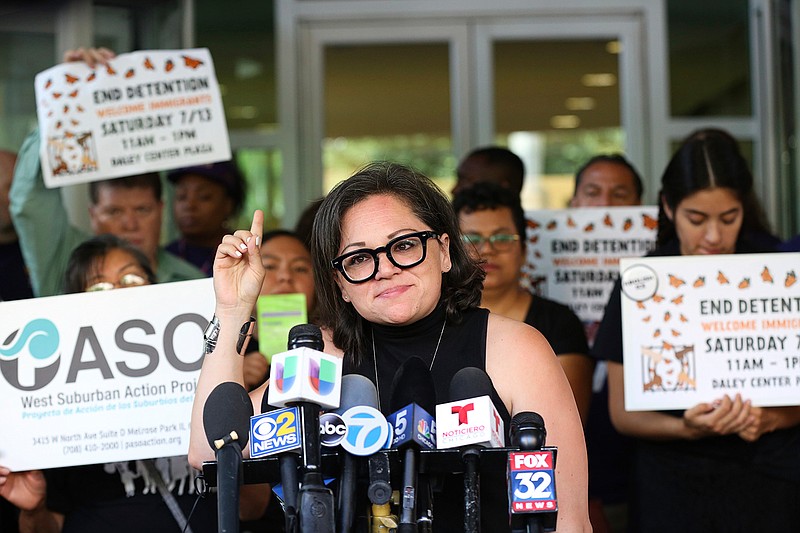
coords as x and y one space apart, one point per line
88 256
707 159
461 286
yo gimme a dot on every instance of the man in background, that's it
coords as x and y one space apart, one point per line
14 282
607 180
491 163
128 207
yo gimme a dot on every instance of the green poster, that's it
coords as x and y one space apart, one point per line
277 314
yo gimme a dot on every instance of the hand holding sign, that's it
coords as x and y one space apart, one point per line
26 489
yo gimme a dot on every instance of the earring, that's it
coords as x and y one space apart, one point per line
345 298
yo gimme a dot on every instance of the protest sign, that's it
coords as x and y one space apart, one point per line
573 254
102 376
696 328
277 314
145 111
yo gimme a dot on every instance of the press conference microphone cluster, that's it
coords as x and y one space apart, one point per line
303 380
470 422
226 419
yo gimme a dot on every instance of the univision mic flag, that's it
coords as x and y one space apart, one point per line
305 375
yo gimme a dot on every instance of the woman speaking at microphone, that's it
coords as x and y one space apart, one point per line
394 280
701 469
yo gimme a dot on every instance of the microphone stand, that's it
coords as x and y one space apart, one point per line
229 476
315 500
472 490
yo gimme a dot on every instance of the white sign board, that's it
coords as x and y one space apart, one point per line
573 254
146 111
101 377
696 328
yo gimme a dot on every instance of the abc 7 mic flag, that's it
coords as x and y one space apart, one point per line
361 430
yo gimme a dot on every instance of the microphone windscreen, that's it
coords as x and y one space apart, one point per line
357 390
470 382
228 408
308 335
527 430
413 383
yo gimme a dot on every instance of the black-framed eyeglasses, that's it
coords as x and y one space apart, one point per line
405 251
500 242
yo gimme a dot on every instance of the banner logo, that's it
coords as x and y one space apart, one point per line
42 339
286 373
274 432
332 429
322 376
367 430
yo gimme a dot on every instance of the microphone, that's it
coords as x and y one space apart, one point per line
357 390
413 396
365 434
226 416
308 379
470 422
531 484
277 431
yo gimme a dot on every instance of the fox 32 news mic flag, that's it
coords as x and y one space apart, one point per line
531 476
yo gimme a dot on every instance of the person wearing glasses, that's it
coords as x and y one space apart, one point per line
120 496
129 207
492 227
394 280
700 469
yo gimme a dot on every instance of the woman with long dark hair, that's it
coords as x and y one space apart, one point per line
700 469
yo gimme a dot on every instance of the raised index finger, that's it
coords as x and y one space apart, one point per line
257 226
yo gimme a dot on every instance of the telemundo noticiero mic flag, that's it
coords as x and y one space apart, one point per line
145 111
114 382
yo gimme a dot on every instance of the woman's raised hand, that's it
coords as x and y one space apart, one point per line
238 271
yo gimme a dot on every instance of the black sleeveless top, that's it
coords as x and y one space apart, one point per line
462 345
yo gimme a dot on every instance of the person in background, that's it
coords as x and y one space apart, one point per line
690 466
493 228
491 163
305 223
287 269
112 496
607 180
391 273
129 207
206 198
14 281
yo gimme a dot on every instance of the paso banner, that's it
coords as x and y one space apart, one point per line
697 328
143 112
573 254
101 377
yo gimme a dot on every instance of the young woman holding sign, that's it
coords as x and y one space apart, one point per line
705 468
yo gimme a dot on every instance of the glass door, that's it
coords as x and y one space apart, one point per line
557 91
553 90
